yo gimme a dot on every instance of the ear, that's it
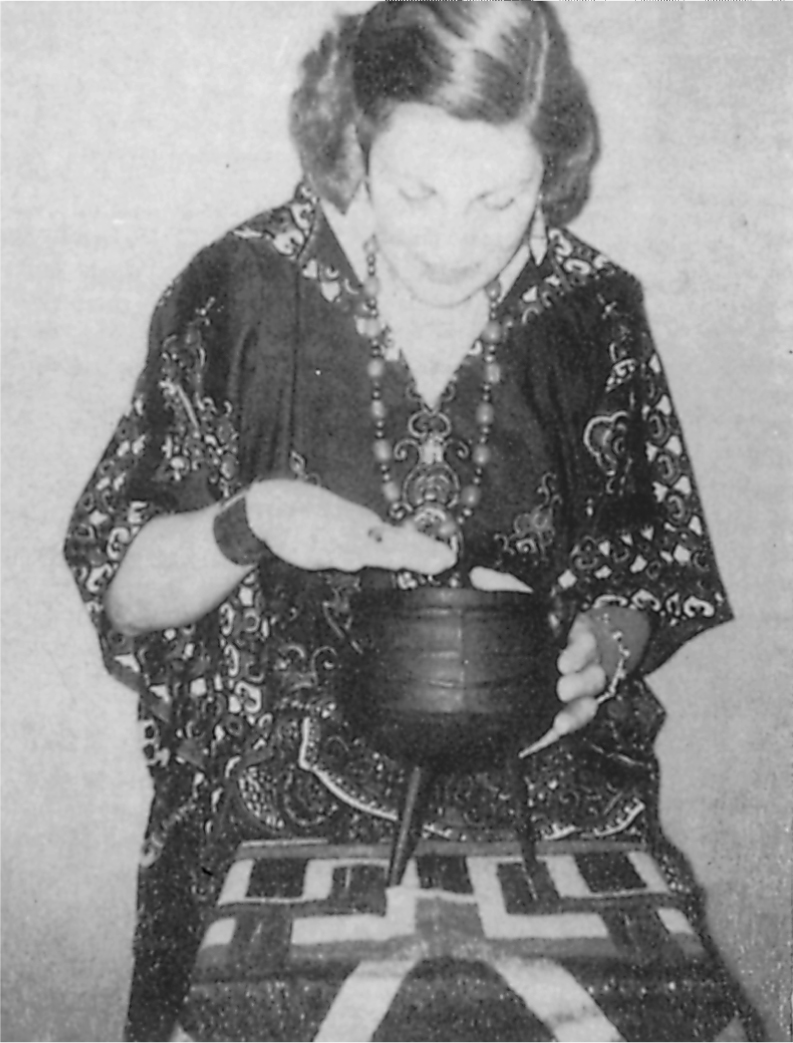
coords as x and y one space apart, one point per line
537 237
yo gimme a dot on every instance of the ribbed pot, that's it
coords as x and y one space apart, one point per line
447 677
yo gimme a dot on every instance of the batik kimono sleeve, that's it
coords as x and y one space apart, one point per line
175 450
644 541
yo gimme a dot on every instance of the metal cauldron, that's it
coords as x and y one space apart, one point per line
449 680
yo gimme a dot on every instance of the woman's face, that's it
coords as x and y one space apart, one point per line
452 200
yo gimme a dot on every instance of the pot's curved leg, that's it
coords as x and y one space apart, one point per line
409 822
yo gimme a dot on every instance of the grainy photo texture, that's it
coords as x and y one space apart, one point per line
396 518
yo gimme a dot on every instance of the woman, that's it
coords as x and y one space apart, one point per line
409 374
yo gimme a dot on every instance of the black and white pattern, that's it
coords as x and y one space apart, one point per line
593 942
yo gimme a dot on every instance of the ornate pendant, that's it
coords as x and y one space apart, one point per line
434 520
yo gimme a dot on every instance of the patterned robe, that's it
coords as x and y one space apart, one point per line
256 368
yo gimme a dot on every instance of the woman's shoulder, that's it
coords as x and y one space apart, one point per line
585 296
573 270
263 249
287 232
581 309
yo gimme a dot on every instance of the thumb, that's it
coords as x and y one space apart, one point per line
488 580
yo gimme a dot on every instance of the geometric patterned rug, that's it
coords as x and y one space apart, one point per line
591 941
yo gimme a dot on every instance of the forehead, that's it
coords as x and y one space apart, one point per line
427 144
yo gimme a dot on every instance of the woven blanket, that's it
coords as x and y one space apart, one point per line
589 942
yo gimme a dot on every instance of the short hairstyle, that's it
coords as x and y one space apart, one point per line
494 62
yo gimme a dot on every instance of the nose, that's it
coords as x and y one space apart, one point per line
448 242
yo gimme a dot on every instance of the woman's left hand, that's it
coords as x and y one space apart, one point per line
583 675
582 678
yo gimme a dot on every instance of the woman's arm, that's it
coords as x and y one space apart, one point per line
174 572
172 575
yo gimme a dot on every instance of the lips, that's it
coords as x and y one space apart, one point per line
447 276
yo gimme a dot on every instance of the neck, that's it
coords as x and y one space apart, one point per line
432 341
399 306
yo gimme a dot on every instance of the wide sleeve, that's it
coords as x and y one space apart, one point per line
174 450
642 540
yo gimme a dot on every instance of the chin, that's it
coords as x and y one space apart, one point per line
445 294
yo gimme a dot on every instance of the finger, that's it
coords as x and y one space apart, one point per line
576 716
350 547
581 651
489 580
589 683
404 548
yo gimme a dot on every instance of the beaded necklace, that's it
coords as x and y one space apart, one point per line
432 497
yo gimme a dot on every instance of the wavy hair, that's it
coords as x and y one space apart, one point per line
494 62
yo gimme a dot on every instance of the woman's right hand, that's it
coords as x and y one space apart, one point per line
174 573
314 529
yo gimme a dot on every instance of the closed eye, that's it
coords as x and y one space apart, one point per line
499 204
416 194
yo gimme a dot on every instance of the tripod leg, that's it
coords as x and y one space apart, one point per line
409 823
524 824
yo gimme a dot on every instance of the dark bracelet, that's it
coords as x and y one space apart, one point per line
234 536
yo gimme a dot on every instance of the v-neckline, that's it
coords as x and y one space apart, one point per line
432 356
351 281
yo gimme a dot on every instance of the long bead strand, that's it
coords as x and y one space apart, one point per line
491 338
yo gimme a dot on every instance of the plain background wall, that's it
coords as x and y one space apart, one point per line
134 133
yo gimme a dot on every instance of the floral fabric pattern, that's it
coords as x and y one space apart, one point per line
255 368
